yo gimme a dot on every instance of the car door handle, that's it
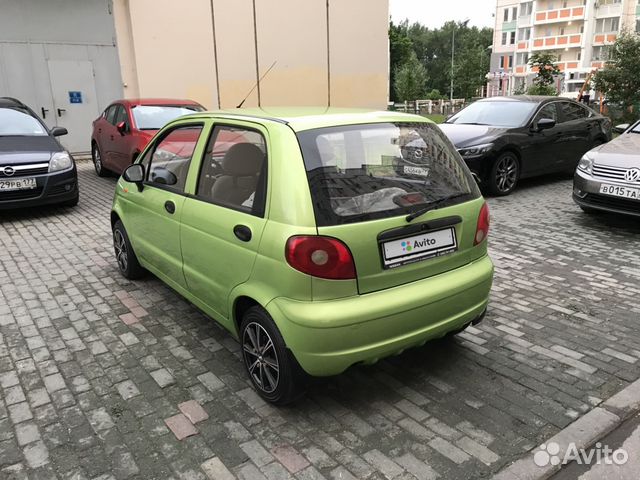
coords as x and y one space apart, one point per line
170 207
112 137
242 232
60 111
44 112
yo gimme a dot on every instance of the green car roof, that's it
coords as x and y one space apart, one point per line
307 118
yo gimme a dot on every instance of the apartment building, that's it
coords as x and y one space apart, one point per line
577 32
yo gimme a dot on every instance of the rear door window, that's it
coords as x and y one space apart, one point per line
366 172
573 111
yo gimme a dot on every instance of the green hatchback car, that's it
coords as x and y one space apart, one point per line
314 238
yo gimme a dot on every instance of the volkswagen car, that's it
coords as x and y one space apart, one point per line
34 168
506 139
308 236
125 127
608 177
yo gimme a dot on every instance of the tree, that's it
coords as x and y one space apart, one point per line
543 83
618 80
410 79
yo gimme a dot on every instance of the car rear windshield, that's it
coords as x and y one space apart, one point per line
366 172
19 123
154 117
498 113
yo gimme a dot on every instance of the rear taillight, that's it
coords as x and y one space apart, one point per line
482 231
322 257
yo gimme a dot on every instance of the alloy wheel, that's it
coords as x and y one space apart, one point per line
506 173
260 357
120 247
97 160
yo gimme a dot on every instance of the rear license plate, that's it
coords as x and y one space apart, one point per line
18 184
419 247
618 191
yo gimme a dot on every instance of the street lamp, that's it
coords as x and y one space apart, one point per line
453 52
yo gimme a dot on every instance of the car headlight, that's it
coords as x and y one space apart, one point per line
586 164
60 161
475 150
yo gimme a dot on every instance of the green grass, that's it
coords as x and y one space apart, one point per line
436 117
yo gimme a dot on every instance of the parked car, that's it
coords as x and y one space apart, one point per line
505 139
125 127
34 168
608 177
299 234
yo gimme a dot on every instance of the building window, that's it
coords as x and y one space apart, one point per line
514 13
579 56
524 34
502 62
526 9
510 61
600 53
559 57
522 58
562 31
606 25
504 38
512 38
506 15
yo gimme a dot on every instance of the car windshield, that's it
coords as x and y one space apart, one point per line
154 117
14 122
497 113
365 172
635 128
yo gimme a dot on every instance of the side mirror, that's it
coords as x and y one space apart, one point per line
134 174
163 176
545 124
621 128
122 127
58 131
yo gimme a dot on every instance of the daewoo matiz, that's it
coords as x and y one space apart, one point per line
309 236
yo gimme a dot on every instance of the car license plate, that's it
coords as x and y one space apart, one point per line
618 191
18 184
419 247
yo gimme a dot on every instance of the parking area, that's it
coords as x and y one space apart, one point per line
91 365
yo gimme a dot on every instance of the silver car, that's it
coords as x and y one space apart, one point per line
608 177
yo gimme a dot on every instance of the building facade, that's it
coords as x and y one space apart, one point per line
68 59
577 32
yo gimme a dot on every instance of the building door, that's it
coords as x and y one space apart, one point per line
74 101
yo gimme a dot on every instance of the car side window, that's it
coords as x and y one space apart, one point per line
171 156
572 111
234 170
121 116
549 111
110 114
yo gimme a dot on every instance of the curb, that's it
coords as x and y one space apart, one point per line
583 433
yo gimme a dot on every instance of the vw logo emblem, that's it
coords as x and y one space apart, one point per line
9 171
632 175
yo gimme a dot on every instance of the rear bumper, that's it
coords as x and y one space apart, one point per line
51 188
586 193
328 337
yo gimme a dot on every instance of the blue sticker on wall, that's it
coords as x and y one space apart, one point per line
75 97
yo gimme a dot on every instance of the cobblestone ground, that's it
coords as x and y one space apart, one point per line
91 365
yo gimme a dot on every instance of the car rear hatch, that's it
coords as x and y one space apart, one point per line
368 181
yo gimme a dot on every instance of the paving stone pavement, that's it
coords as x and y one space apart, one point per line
91 364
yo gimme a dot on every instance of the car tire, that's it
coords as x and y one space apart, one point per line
125 256
272 368
96 156
504 174
71 203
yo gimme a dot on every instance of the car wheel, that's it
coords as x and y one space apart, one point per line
273 370
125 257
97 161
504 174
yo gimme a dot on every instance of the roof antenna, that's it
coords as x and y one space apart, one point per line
257 83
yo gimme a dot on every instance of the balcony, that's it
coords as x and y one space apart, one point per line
611 10
509 25
559 41
604 38
523 45
524 20
560 15
570 65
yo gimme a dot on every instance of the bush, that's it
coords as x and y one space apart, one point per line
544 90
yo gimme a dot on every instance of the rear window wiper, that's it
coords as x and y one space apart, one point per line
433 206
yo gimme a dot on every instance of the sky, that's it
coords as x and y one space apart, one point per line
434 13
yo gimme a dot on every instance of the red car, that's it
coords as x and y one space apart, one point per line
126 126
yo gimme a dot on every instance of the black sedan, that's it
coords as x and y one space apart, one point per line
504 139
34 168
